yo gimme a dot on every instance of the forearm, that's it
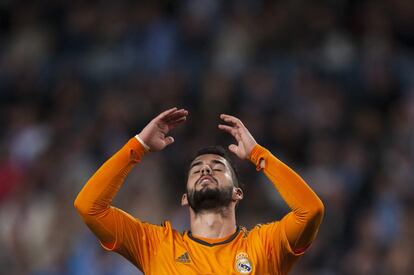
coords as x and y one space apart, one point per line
307 208
96 196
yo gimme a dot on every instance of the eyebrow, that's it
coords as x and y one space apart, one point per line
216 161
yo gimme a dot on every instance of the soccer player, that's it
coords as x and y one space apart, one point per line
215 244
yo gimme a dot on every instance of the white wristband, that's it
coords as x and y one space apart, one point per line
146 147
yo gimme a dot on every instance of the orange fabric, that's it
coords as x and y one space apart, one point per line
212 241
307 209
266 249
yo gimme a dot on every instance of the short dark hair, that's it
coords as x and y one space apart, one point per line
219 150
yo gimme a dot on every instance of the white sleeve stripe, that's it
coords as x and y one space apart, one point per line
146 147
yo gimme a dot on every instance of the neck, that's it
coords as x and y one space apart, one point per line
213 224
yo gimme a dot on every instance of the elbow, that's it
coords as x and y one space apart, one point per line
88 208
317 211
77 204
80 206
312 212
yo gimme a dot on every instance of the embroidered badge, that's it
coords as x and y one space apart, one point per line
243 264
185 258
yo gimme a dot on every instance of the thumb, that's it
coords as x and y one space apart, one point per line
233 148
169 140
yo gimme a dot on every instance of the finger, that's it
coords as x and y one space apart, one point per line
176 122
178 118
175 115
228 129
231 130
233 148
166 113
169 140
231 119
238 136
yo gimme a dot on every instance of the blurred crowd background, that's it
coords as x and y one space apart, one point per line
327 86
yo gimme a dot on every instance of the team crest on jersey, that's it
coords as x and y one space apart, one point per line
243 265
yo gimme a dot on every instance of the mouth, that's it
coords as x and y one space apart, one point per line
205 180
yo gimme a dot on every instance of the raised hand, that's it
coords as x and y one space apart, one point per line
155 133
245 141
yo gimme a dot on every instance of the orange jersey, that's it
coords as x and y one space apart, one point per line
267 249
163 250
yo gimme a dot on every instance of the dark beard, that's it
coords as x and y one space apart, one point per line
209 198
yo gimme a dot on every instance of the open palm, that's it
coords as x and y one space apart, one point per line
245 141
155 134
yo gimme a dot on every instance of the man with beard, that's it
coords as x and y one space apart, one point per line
215 244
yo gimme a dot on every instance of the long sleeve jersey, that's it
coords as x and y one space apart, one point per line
270 248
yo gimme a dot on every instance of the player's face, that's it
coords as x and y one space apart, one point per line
210 183
209 170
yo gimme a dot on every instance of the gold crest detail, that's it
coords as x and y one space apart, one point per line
243 265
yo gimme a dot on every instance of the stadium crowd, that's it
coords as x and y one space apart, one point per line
333 79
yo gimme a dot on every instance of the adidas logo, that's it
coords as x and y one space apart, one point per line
185 259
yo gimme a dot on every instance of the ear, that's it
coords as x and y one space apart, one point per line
237 194
184 200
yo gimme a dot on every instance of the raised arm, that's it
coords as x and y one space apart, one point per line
93 203
301 225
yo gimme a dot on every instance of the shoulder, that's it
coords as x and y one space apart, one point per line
264 226
260 230
168 229
164 228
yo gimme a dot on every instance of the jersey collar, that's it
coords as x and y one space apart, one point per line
229 239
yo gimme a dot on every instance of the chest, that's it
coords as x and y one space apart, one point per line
239 257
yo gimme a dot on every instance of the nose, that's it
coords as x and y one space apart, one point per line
206 170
